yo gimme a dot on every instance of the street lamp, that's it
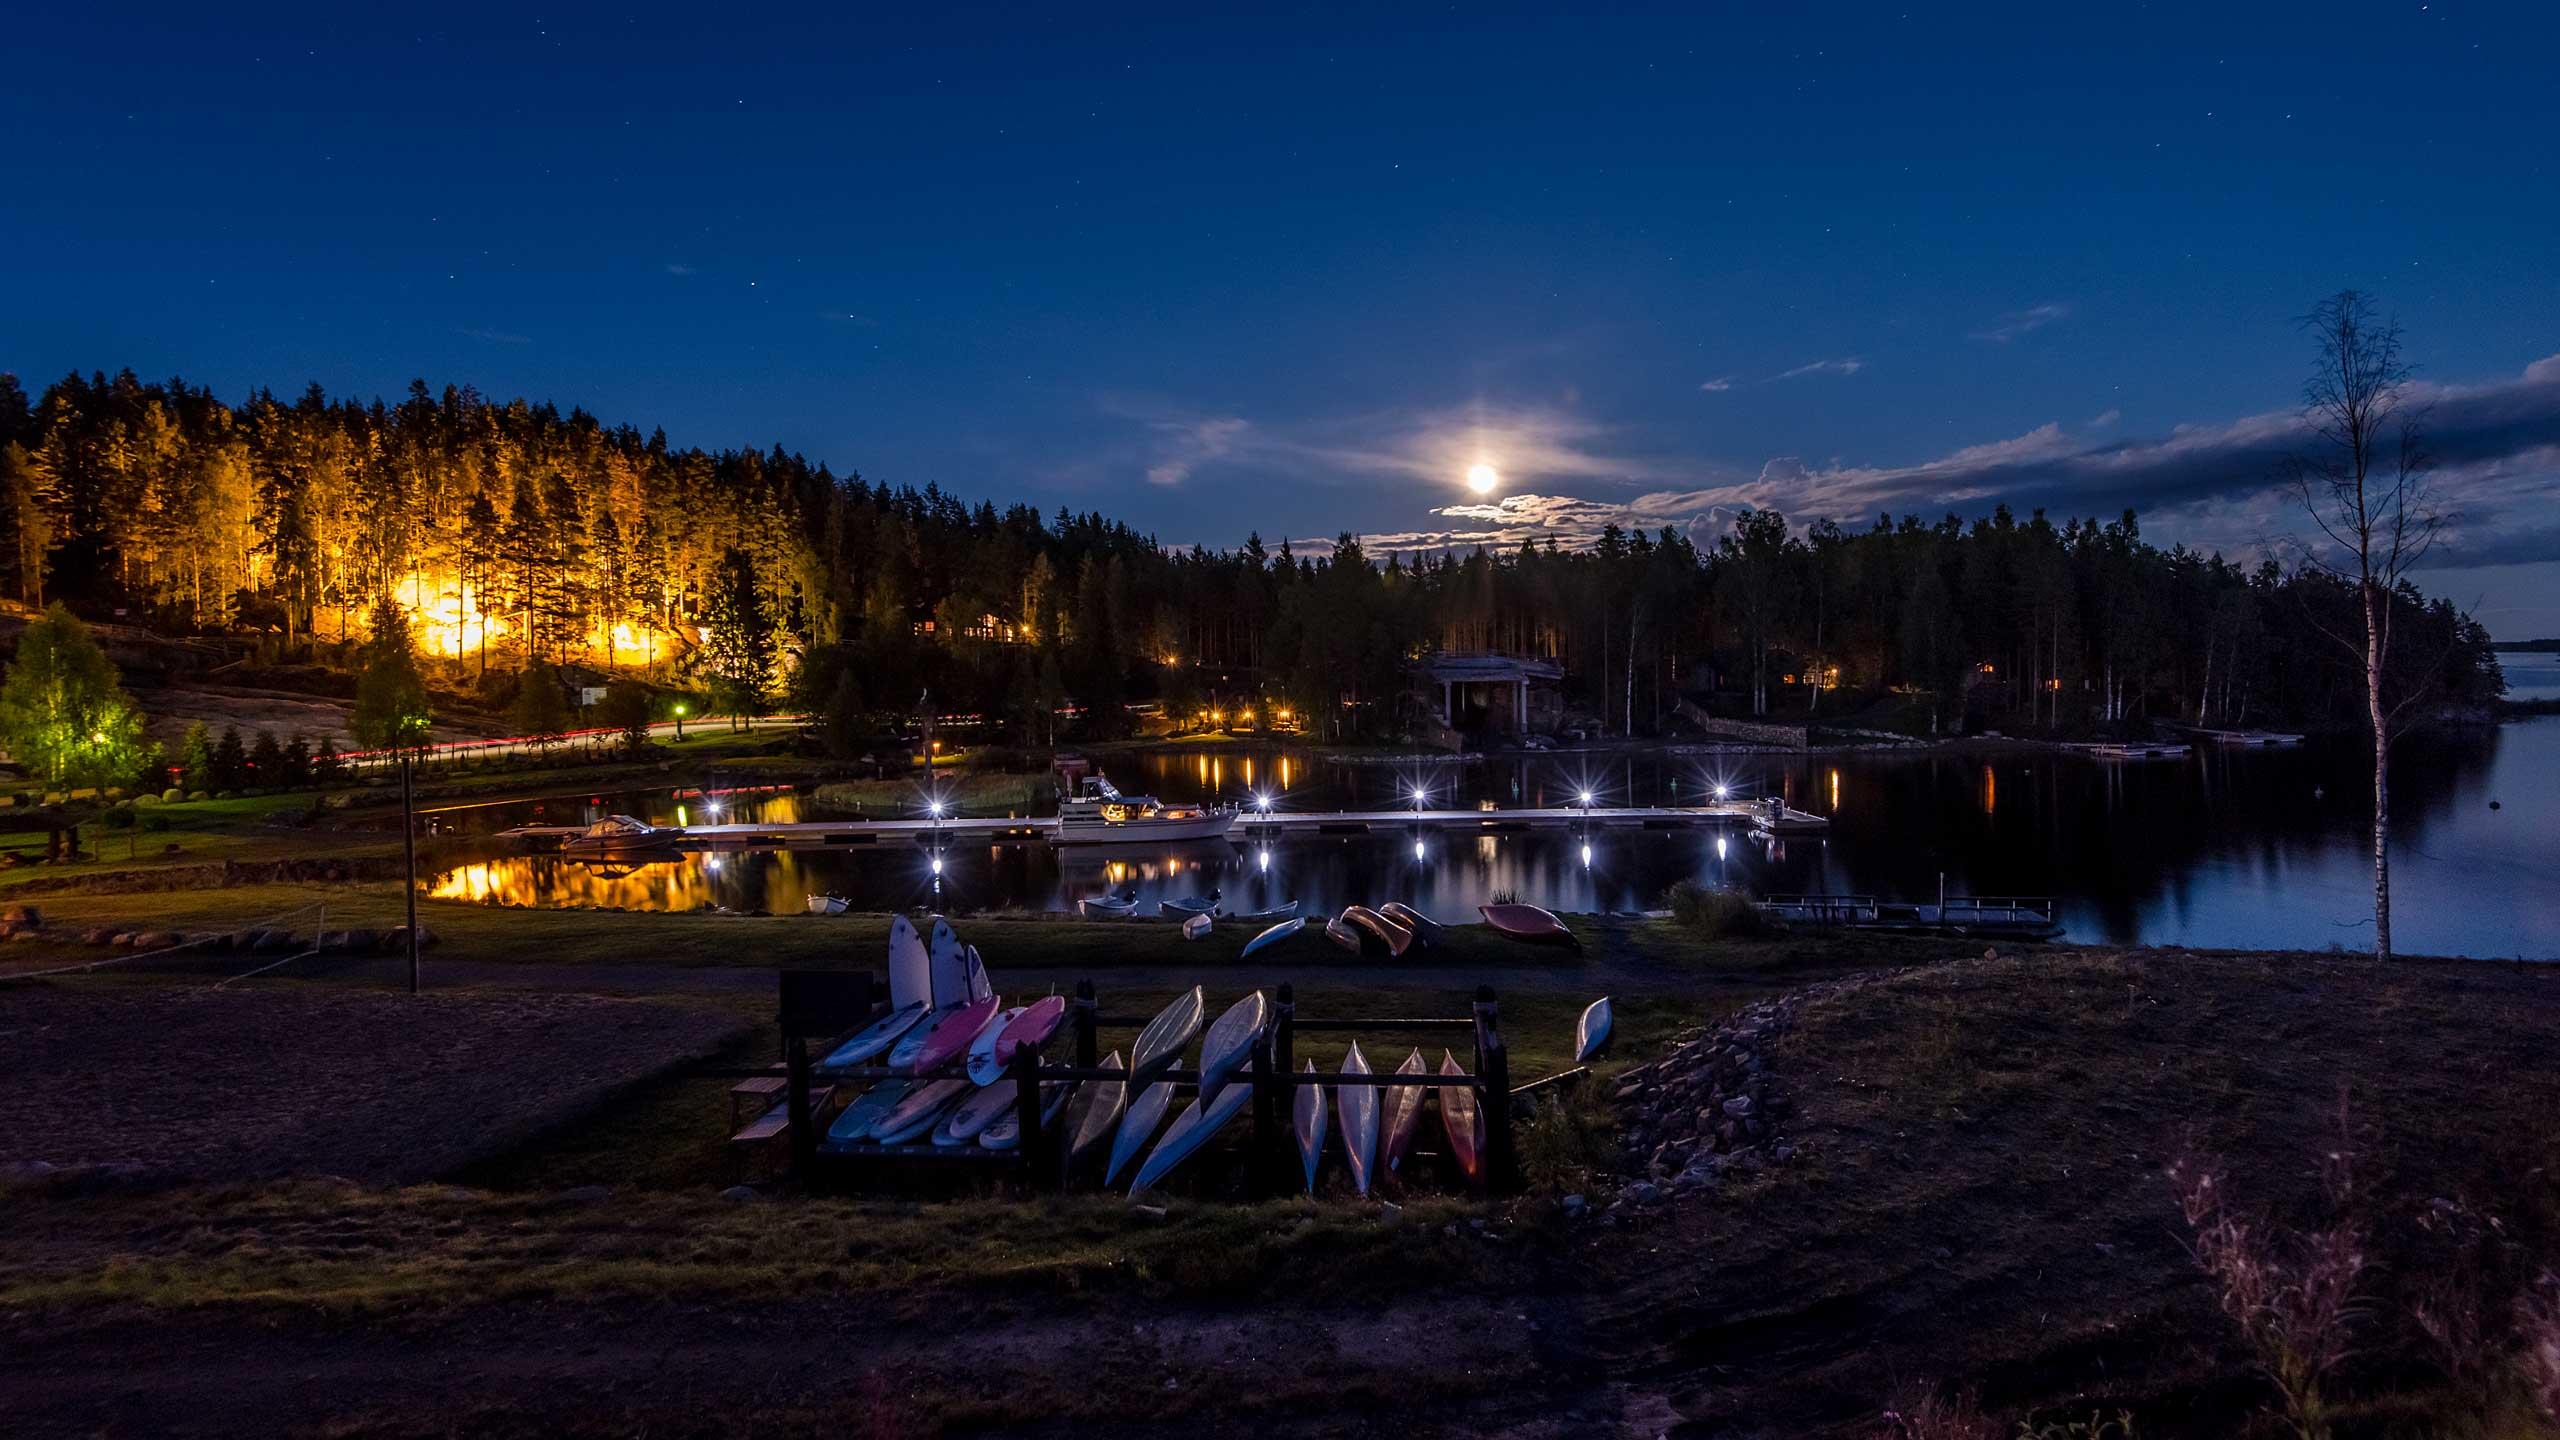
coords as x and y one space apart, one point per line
1585 797
679 720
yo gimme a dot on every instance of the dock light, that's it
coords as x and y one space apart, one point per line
1263 860
1586 857
711 808
937 864
1586 799
1719 847
1724 792
1417 849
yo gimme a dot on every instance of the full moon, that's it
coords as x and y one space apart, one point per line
1481 478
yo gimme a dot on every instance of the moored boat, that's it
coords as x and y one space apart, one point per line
828 904
1189 905
1114 906
1098 814
622 835
1528 923
1271 916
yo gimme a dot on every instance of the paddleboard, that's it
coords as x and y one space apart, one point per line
1161 1044
1032 1025
1137 1127
1229 1044
873 1039
1400 1113
1094 1110
980 987
917 1114
1005 1131
950 961
973 1115
1358 1107
858 1118
981 1066
902 1056
1463 1117
951 1036
1308 1119
1273 936
1591 1032
1191 1130
910 968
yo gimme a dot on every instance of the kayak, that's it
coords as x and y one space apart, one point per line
1382 934
1424 928
1462 1115
1400 1113
910 968
1591 1032
1005 1131
1137 1127
951 1036
1358 1105
912 1117
860 1116
1308 1118
1272 936
1161 1044
974 1114
1094 1110
1529 923
872 1039
1342 935
1032 1025
981 1066
1191 1130
1229 1044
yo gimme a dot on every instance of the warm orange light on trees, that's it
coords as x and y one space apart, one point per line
445 616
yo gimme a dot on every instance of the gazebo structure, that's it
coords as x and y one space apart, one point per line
1500 692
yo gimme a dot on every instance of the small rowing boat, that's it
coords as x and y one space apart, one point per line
1272 916
1161 1044
1591 1032
828 904
1191 1130
1272 936
1229 1043
1380 935
1463 1117
1189 905
1116 906
1424 928
1400 1113
1307 1117
1528 923
872 1039
1358 1107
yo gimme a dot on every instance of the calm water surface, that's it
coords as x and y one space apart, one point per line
2224 848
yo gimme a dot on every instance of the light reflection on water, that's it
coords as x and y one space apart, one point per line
2229 848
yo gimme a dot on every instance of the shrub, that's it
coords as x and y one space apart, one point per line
1570 1138
1713 913
119 817
155 821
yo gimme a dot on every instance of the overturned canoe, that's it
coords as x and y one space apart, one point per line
1229 1043
1424 928
1462 1115
1307 1119
1161 1044
1400 1113
1382 935
1272 936
1358 1107
1591 1032
1191 1130
1528 923
1093 1111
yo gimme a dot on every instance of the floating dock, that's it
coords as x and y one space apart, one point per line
1246 827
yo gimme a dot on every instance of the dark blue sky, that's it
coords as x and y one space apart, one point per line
1298 270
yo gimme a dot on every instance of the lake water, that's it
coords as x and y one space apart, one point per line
2240 848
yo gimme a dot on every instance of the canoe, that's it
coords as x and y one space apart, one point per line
1137 1126
872 1039
1229 1043
1358 1107
1462 1115
1424 928
858 1118
1272 916
981 1066
1161 1044
1308 1120
1591 1032
1342 935
1005 1131
1032 1025
1094 1110
1400 1113
974 1114
1529 923
1272 936
1191 1130
1189 905
950 965
911 1118
1381 935
951 1036
910 967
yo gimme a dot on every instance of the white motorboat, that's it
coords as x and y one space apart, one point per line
621 835
1098 814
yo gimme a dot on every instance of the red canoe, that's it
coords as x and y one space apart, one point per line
1528 922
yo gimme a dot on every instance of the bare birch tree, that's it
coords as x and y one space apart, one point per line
2364 479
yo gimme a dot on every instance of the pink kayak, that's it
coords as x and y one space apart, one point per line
951 1036
1033 1027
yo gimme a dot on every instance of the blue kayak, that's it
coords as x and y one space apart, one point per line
1273 936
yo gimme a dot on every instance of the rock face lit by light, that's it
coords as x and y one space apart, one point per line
1481 478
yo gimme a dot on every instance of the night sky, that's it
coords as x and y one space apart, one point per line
1299 271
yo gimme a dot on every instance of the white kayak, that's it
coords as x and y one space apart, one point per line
1591 1032
873 1039
974 1114
1161 1044
982 1067
915 1116
1094 1110
1138 1126
1358 1107
1191 1130
1228 1046
910 968
1309 1123
858 1118
1400 1112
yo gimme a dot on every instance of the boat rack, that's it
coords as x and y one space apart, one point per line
820 1008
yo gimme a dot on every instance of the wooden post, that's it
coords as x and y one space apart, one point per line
1088 1049
1279 1153
1026 1108
804 1127
1501 1161
1263 1155
409 864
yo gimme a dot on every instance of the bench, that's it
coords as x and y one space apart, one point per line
754 1097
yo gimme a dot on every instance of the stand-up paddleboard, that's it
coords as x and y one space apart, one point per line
1308 1120
1591 1032
1424 928
1272 936
1094 1110
980 987
1005 1131
952 1035
863 1114
973 1114
1031 1025
910 968
873 1039
1161 1044
981 1066
1358 1106
1400 1112
1229 1043
1137 1127
1191 1130
915 1116
902 1056
950 961
1463 1117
